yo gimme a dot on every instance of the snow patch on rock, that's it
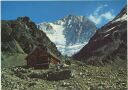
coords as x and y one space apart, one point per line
123 18
110 29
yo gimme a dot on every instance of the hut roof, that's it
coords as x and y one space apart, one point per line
53 56
36 50
45 50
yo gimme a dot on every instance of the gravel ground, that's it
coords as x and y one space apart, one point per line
83 77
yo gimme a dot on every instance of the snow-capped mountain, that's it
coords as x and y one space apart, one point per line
69 34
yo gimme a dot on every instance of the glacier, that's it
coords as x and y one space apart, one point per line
69 34
57 36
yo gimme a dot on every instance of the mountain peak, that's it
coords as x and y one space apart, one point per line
70 16
24 19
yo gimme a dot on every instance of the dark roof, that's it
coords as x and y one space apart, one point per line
46 51
53 55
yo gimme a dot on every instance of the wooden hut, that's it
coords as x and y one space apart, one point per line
40 57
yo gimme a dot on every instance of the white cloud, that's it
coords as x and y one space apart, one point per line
95 19
98 17
108 15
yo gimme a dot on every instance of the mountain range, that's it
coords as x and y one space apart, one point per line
70 33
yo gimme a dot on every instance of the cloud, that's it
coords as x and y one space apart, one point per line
98 10
97 17
108 15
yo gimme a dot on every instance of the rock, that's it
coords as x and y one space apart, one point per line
73 74
31 84
81 73
58 75
65 65
67 62
19 69
37 75
65 84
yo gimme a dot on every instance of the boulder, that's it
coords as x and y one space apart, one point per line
58 75
37 75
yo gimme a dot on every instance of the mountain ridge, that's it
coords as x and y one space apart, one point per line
22 35
108 43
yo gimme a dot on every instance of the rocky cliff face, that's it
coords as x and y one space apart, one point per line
108 44
22 35
70 33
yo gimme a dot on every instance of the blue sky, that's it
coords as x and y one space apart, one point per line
100 12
